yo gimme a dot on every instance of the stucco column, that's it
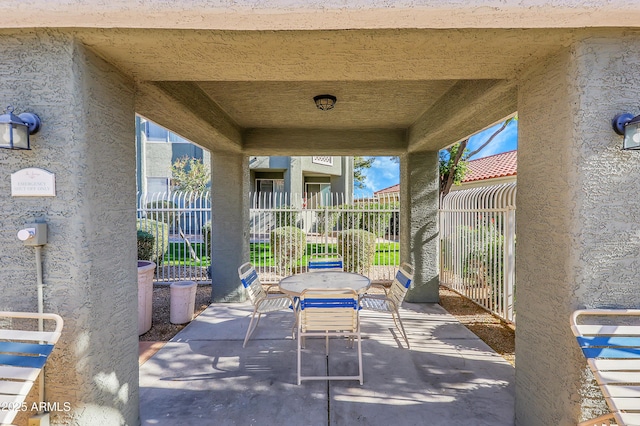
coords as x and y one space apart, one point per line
419 223
578 239
89 263
229 224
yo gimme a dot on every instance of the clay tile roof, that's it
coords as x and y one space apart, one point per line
389 190
494 166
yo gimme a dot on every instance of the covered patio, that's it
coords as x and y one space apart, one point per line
238 78
204 376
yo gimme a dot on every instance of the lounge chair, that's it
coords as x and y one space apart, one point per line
262 301
23 354
321 262
392 299
610 340
325 313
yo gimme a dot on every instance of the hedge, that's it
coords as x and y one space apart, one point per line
160 232
358 249
288 244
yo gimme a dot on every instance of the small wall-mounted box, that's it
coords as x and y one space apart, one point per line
34 234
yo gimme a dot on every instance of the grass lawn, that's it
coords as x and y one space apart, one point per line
260 254
386 253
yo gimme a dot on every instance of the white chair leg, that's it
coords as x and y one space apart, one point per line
299 356
360 359
400 327
251 328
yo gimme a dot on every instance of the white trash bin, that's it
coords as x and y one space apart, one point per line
183 301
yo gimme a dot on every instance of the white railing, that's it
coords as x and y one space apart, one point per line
321 219
477 236
179 223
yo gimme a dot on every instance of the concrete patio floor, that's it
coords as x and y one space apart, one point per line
204 376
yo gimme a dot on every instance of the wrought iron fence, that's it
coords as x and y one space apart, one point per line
478 239
285 230
178 221
288 229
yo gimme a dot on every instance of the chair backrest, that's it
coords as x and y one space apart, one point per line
23 354
321 262
401 284
610 340
333 309
250 281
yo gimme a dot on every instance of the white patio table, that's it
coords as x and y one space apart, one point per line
295 284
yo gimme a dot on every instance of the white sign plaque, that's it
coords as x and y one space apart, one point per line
33 182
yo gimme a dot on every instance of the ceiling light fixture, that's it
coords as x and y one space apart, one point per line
325 102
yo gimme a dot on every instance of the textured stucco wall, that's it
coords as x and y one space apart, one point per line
89 266
230 224
321 14
419 240
577 243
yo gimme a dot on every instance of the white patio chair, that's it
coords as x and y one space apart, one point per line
392 298
23 354
321 262
611 343
262 301
325 313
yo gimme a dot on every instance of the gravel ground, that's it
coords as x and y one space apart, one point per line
161 329
499 335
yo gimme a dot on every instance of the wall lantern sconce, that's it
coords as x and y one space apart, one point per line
15 129
629 126
325 102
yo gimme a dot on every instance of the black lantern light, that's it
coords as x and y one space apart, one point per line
629 126
15 129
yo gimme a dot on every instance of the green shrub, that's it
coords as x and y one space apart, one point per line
326 221
358 248
375 218
167 213
285 216
160 232
351 218
287 245
145 245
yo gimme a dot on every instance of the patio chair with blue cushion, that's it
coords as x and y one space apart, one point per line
321 262
262 301
23 354
392 299
610 340
325 313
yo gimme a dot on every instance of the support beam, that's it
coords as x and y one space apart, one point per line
229 224
578 242
469 106
186 110
419 240
324 142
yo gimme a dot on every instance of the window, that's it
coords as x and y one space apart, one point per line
156 133
157 184
270 186
318 194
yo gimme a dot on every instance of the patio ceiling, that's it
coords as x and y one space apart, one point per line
397 90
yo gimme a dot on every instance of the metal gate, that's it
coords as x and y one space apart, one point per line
477 240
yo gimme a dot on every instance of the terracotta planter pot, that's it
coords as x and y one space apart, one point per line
146 269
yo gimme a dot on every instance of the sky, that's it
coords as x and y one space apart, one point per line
385 172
